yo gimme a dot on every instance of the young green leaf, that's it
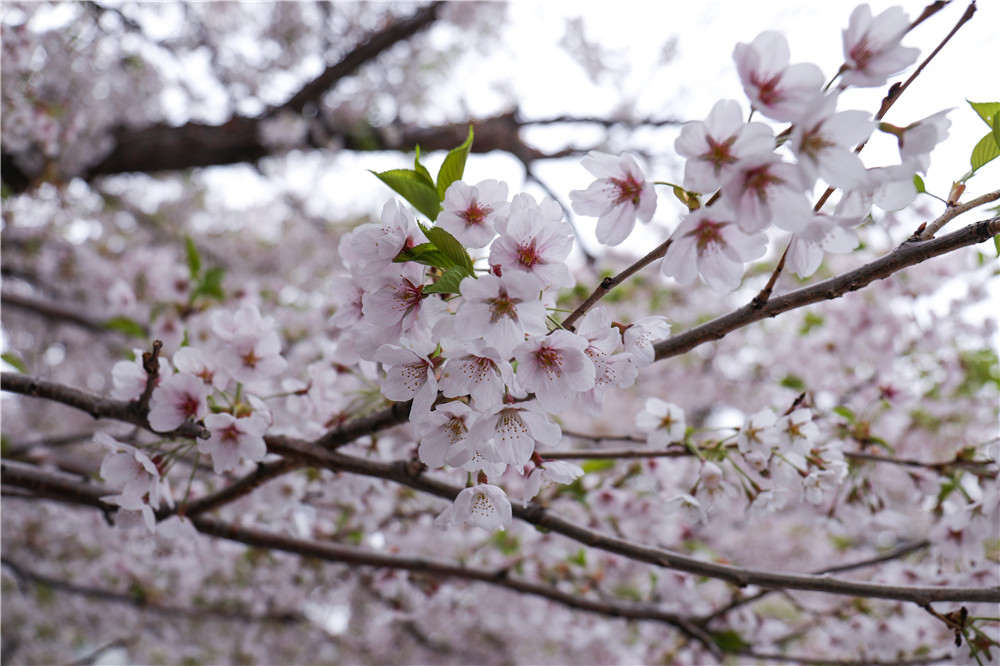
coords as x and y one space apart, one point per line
193 257
211 284
996 128
448 283
984 152
918 182
415 187
426 254
986 110
125 325
451 247
420 168
453 166
14 360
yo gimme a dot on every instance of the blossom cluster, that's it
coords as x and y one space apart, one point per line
743 165
502 366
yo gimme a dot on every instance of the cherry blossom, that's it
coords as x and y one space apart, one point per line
556 368
663 422
501 310
775 88
824 140
233 439
442 432
371 248
872 49
138 477
917 140
618 197
476 370
482 506
178 398
765 191
469 211
708 243
639 337
409 376
514 430
552 471
534 239
823 234
715 146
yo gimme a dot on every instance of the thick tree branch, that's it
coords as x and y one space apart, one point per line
410 473
908 254
25 575
368 50
47 485
56 312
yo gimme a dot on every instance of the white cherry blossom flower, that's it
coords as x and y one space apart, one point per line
758 433
135 473
872 49
482 506
663 422
764 191
822 234
708 243
128 378
473 368
500 310
251 357
556 368
408 376
234 439
714 147
640 336
775 88
195 361
514 430
689 507
469 212
617 198
178 398
370 249
823 139
442 434
551 472
534 239
797 431
917 140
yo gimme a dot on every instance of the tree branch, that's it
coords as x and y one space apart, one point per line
369 49
908 254
410 473
23 574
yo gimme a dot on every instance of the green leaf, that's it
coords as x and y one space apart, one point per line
15 360
793 382
449 282
426 254
996 244
193 257
996 128
453 166
846 412
918 182
729 641
598 465
451 248
211 284
420 168
126 326
415 187
984 152
986 110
